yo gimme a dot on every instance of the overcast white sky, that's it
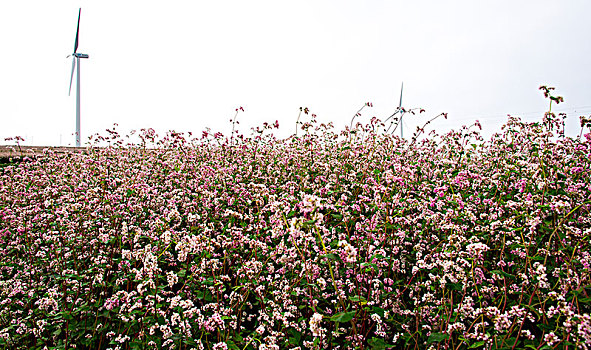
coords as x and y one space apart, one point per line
187 65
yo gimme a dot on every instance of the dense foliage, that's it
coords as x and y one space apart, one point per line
317 241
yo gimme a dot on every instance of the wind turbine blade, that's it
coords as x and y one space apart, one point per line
77 31
401 87
72 76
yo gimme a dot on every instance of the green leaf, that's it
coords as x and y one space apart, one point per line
365 264
337 216
379 311
545 327
356 299
454 286
378 256
476 345
378 344
502 273
437 337
189 342
343 316
295 337
232 345
330 256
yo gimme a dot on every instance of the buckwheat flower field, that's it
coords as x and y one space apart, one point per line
324 240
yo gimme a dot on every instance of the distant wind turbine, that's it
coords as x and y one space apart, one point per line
76 64
400 109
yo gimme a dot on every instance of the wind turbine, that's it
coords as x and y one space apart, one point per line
398 110
76 64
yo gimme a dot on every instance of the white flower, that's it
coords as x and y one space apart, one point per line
349 251
315 325
551 338
167 332
309 203
171 278
220 346
321 282
476 249
166 237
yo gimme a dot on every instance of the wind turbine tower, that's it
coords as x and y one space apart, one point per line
400 109
76 64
